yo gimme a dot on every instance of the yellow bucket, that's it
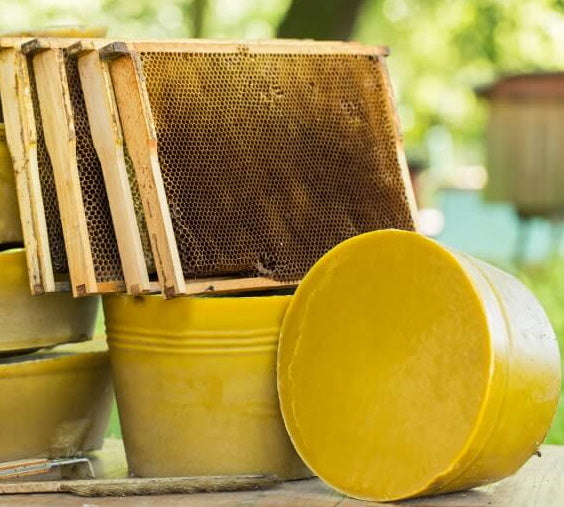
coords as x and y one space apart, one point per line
29 322
55 403
195 382
10 228
406 369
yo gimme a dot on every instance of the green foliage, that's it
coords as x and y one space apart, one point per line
442 50
547 282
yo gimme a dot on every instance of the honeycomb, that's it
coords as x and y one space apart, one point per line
48 189
270 160
103 243
139 214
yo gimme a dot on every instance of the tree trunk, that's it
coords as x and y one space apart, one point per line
320 19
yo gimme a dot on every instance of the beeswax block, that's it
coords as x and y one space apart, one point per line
406 369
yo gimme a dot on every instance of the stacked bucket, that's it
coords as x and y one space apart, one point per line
55 396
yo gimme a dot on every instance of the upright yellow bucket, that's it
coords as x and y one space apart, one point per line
195 381
406 369
10 228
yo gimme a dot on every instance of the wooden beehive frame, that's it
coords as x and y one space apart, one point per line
21 135
108 140
139 132
58 121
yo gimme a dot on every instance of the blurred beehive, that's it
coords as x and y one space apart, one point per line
243 163
525 142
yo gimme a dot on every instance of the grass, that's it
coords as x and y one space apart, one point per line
547 282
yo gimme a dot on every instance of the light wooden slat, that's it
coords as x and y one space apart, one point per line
107 137
136 120
276 46
60 139
22 142
400 151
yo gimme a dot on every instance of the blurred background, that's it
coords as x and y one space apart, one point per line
479 92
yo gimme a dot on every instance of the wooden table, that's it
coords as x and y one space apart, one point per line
539 483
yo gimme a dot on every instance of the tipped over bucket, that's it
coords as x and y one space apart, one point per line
406 369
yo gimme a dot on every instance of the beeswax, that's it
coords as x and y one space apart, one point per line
406 369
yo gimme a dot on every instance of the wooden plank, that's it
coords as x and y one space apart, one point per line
140 137
233 285
400 151
107 137
142 486
60 139
539 483
22 142
275 46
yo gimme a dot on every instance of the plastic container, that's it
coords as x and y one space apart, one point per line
55 403
195 382
30 322
10 228
406 369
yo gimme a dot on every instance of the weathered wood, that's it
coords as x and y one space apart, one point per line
22 143
137 124
107 137
141 486
60 139
400 151
281 46
233 285
539 483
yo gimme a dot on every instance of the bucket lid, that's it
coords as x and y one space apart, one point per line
384 364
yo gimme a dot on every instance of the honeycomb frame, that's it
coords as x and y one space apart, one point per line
41 227
118 174
94 262
141 130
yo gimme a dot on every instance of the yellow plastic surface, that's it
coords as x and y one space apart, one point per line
28 322
195 382
55 403
10 229
405 369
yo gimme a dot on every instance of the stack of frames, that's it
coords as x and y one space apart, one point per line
188 167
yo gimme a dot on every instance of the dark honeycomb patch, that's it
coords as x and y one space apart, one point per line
270 160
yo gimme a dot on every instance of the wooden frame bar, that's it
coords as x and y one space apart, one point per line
108 140
48 58
277 46
400 152
137 123
60 138
22 142
21 135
